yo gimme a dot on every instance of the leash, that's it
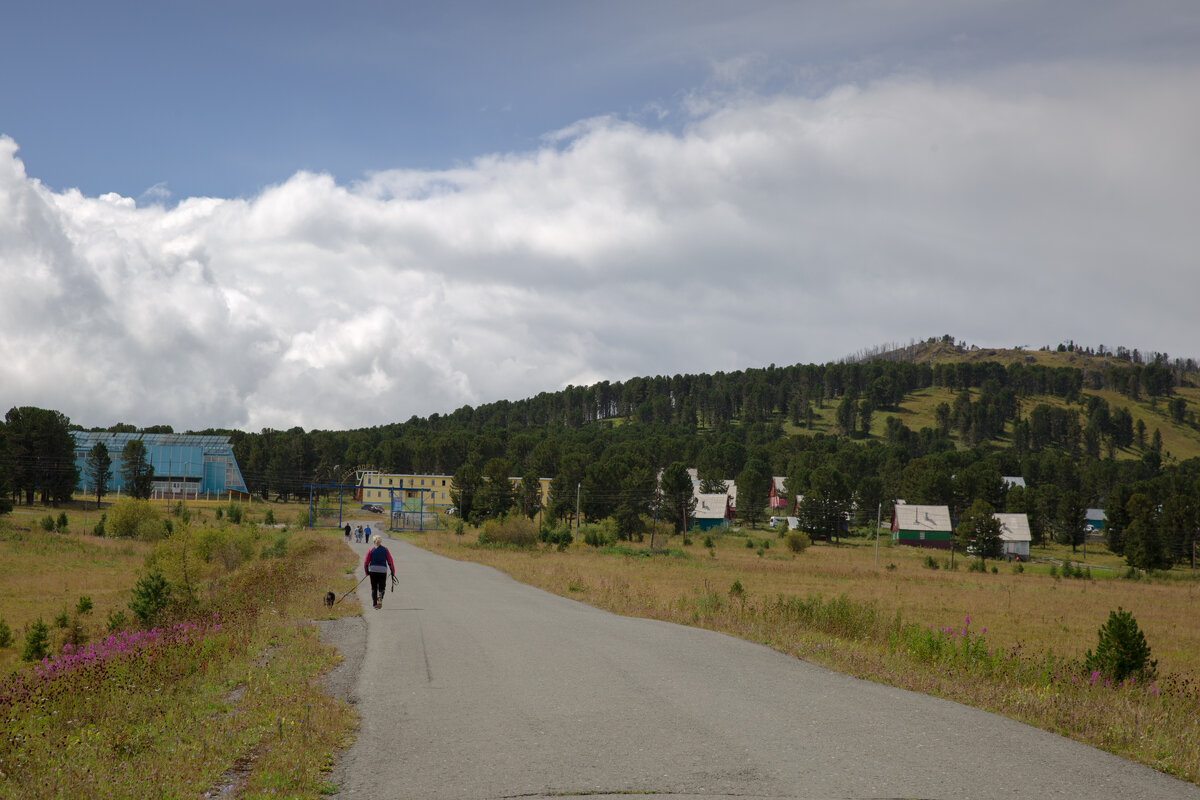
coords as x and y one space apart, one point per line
343 597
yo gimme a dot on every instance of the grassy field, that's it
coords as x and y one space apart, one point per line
1008 641
219 692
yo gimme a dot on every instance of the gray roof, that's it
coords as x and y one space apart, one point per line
922 518
1014 527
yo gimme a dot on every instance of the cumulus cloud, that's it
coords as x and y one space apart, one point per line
769 229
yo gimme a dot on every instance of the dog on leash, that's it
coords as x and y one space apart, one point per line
330 599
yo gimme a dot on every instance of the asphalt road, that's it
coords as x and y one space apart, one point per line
474 687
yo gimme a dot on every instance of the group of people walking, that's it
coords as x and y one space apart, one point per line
377 564
358 533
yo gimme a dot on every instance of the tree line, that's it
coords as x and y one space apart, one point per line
617 449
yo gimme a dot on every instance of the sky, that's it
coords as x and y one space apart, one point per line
339 215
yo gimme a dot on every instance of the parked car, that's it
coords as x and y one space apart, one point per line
374 509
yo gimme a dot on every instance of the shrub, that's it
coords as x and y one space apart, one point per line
130 517
737 590
1121 650
84 606
559 536
116 621
517 530
931 563
37 641
1018 567
230 546
98 530
151 594
48 523
277 548
708 542
61 619
6 637
269 517
749 544
797 541
61 523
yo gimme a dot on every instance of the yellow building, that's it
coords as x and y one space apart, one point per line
429 492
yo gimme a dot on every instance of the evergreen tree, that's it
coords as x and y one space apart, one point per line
826 504
678 499
753 483
136 471
979 526
98 469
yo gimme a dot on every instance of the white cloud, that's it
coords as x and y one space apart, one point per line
776 229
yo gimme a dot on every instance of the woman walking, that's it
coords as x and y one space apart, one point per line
377 564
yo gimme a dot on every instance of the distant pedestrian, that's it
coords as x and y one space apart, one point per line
367 537
377 564
347 533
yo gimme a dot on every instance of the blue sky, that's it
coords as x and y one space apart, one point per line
255 199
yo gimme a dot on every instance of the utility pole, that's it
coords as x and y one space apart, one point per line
577 488
878 515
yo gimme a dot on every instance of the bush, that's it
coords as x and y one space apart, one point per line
6 637
797 541
708 542
559 536
61 619
151 594
598 535
37 641
1121 650
931 563
269 517
977 566
277 548
116 621
130 517
48 523
98 530
61 523
749 544
230 546
517 530
234 512
84 606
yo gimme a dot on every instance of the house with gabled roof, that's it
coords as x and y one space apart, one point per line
922 525
776 496
712 511
1015 535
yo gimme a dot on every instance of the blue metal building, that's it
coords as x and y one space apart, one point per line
185 465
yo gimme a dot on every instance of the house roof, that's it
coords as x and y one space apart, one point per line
1014 527
922 518
778 482
1013 480
1096 513
710 506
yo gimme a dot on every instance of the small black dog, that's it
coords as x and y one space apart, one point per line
330 599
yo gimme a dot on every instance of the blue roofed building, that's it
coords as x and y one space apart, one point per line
185 465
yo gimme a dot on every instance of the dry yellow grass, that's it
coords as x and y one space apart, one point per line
1032 609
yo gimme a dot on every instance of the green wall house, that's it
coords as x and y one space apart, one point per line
922 526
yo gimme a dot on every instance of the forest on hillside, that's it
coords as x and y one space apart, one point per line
605 445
